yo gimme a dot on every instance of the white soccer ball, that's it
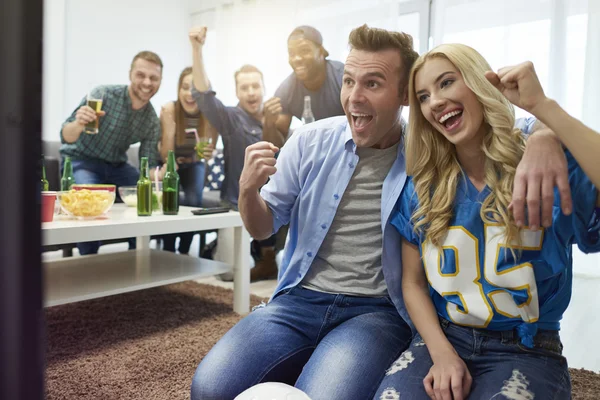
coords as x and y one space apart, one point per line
272 391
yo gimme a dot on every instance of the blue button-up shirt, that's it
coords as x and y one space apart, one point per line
313 171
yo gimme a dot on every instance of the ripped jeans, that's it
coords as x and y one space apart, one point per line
501 367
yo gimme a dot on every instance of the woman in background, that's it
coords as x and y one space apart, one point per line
178 121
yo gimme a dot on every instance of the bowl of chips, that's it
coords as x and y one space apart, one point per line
86 203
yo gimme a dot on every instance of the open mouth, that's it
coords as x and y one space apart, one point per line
451 120
361 120
300 68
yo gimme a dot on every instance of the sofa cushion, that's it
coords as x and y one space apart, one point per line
215 173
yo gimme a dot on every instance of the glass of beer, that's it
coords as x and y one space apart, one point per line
94 101
201 145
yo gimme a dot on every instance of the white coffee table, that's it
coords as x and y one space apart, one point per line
75 279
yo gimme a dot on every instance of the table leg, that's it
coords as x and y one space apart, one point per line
226 248
142 259
241 271
142 243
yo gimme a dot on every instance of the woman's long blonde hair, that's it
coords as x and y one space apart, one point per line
432 162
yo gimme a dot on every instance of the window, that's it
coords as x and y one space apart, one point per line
519 31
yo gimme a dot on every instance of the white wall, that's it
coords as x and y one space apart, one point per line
88 44
53 68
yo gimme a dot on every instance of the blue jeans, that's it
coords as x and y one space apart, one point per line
501 367
191 177
191 180
331 346
95 171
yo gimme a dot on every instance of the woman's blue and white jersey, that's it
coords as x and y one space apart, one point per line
480 284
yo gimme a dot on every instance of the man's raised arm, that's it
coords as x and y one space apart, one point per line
197 39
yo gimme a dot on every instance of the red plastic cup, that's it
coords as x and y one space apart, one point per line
48 200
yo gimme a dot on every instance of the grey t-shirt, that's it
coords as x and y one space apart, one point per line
349 260
238 129
325 102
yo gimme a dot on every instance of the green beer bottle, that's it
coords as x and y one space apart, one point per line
170 197
68 180
44 182
144 190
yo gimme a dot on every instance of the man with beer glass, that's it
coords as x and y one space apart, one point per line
107 121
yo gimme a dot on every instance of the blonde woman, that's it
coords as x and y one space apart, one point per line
485 294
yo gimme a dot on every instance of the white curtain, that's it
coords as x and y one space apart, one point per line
590 264
591 93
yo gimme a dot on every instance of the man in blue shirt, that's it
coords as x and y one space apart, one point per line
247 123
337 319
